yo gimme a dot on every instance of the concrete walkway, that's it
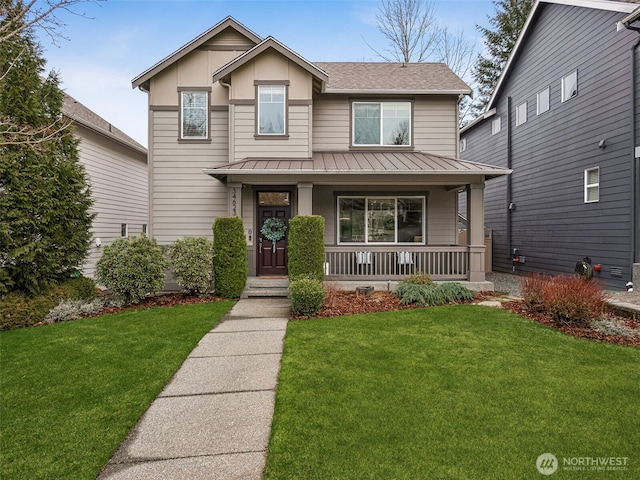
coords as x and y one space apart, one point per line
213 419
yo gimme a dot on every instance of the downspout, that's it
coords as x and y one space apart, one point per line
232 146
509 182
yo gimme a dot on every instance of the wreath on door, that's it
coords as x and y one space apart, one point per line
273 229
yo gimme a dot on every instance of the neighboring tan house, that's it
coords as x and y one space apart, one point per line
565 118
116 167
240 125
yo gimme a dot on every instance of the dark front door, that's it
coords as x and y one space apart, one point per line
274 212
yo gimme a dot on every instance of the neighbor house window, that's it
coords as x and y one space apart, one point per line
381 123
592 185
194 110
521 114
381 219
272 111
570 86
543 101
124 230
463 144
496 125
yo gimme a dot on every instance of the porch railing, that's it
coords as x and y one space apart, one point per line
382 263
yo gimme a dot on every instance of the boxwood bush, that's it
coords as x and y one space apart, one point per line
192 263
132 268
306 247
307 295
230 259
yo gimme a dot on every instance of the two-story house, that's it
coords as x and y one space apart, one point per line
116 169
244 126
565 118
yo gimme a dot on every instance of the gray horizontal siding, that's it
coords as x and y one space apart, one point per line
552 226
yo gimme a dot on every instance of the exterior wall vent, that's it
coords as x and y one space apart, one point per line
616 272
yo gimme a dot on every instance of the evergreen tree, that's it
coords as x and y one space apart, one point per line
507 23
44 198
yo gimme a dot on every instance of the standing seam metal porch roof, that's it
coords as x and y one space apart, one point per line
380 163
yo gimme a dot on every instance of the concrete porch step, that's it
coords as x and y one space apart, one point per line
266 287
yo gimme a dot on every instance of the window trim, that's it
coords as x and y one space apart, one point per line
591 186
546 90
520 120
562 83
496 129
352 125
374 196
271 83
181 137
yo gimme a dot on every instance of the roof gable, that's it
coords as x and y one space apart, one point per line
142 80
269 43
622 6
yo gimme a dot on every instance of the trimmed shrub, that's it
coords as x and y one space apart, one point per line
230 258
79 288
306 247
431 295
132 268
307 296
192 262
419 278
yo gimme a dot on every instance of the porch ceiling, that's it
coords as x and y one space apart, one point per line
376 163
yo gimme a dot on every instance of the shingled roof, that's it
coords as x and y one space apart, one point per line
77 112
386 77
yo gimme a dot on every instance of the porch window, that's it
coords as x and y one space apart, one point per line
271 109
381 220
194 108
381 123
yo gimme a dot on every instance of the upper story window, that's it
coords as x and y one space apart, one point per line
521 114
592 185
570 86
543 101
194 113
496 125
381 123
272 110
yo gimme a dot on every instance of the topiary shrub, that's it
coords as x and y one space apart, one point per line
307 296
306 247
230 260
192 263
132 268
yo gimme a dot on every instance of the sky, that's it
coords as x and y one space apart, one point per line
108 43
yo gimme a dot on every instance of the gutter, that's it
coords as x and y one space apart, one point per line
509 181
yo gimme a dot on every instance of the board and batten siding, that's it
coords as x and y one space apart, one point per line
434 124
119 189
552 226
183 200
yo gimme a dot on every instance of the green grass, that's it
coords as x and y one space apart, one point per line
71 392
456 392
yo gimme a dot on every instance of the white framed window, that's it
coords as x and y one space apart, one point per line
521 114
272 110
381 123
592 185
463 144
496 125
381 219
194 115
570 86
124 230
543 102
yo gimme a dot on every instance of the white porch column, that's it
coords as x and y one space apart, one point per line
234 197
475 231
305 199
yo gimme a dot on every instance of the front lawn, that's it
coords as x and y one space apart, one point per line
455 392
71 392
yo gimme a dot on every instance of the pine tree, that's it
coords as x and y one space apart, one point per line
507 23
44 197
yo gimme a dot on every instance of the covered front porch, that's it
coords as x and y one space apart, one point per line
387 215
